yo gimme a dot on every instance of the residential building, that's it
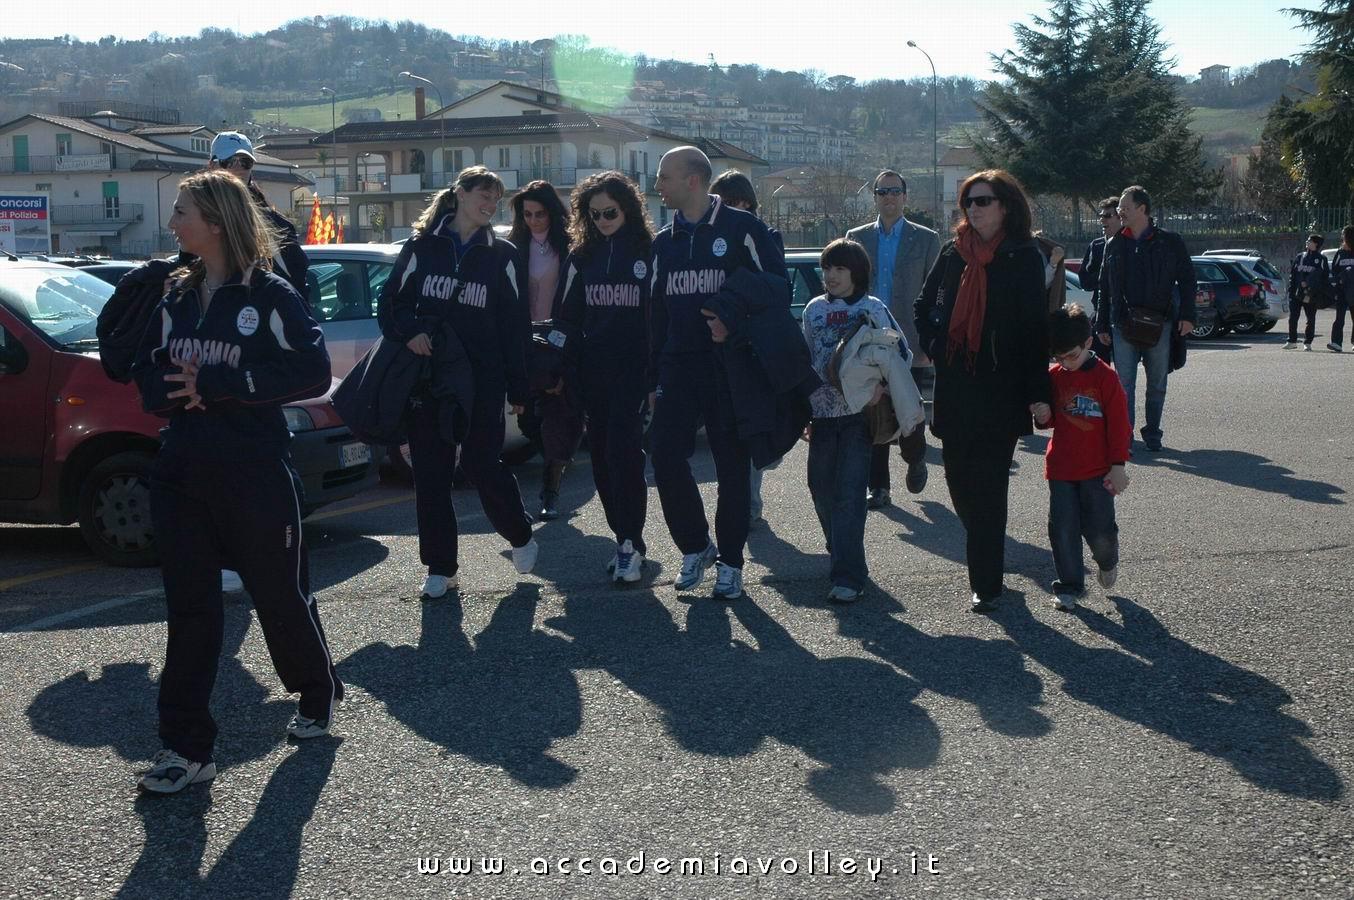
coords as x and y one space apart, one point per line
957 164
112 179
1215 76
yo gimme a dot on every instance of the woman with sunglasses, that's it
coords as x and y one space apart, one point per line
455 270
230 343
540 232
605 298
982 318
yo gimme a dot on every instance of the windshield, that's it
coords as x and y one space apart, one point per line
1264 268
62 303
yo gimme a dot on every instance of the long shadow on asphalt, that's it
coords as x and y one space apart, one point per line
1178 690
938 531
501 700
116 709
1243 469
722 697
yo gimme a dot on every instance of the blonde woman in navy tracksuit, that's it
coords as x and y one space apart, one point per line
229 345
456 269
605 297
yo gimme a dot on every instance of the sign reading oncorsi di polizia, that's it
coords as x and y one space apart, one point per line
25 222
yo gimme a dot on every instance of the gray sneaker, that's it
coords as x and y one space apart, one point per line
170 773
728 582
1107 577
694 566
1334 347
842 594
1065 602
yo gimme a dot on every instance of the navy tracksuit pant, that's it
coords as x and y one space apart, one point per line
614 399
693 387
246 515
434 463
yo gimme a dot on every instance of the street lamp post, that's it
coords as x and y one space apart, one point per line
441 120
935 136
333 139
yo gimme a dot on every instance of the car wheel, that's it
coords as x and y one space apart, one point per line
1244 327
1266 325
1203 331
114 510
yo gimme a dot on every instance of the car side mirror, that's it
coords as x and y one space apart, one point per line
13 356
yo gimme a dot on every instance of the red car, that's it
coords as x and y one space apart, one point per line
76 446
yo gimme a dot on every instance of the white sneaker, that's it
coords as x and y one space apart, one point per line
303 729
629 563
435 587
231 583
1291 345
170 773
1334 347
1065 602
524 557
842 594
1306 348
728 582
1107 577
694 566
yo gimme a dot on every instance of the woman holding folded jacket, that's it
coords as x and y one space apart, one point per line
982 317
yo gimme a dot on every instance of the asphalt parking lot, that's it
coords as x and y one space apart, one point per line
1188 735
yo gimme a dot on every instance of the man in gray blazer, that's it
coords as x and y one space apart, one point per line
901 255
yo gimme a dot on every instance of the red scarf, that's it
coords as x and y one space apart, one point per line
970 306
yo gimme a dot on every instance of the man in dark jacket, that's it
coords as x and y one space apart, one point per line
1094 259
706 242
1308 280
1145 268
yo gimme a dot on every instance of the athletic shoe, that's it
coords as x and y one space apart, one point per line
1291 345
549 506
878 499
1334 347
1153 444
435 587
916 476
303 728
1065 602
524 557
982 605
728 582
231 583
1306 348
611 564
842 594
629 563
1107 577
170 773
694 566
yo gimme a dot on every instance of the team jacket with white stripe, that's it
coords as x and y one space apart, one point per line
475 289
690 263
257 347
605 296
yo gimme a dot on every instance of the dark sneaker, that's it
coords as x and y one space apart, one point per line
916 476
549 506
303 728
1152 444
878 499
1334 347
982 604
170 773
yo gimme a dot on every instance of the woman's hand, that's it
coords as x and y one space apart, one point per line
421 344
1116 480
808 433
1042 413
719 332
187 376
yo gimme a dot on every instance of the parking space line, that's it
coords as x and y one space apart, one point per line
361 507
71 615
8 583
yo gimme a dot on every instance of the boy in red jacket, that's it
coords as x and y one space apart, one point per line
1085 460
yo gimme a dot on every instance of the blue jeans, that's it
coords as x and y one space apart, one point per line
839 468
1157 362
1078 509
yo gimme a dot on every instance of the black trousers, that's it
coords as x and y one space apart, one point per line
614 397
978 472
247 513
434 462
913 447
1295 309
1337 333
691 389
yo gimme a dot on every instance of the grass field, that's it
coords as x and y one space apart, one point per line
1238 129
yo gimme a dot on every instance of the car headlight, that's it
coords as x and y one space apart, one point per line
297 419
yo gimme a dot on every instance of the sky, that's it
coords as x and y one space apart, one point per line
866 39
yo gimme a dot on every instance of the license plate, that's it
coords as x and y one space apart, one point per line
354 455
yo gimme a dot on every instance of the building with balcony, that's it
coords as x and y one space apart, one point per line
112 179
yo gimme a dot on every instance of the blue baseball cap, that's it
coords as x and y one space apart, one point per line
229 143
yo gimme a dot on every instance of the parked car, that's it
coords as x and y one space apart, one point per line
1234 296
344 283
1270 278
77 447
111 272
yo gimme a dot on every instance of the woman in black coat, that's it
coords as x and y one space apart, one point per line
982 317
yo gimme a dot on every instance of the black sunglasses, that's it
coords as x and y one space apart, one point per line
1109 215
983 201
884 192
240 160
610 213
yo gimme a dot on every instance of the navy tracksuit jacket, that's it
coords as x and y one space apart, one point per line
473 286
224 494
1309 276
604 296
690 263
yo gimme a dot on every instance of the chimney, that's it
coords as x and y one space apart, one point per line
420 104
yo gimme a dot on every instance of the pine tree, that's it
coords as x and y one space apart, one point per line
1318 132
1268 181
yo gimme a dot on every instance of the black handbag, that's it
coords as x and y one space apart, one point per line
1142 327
